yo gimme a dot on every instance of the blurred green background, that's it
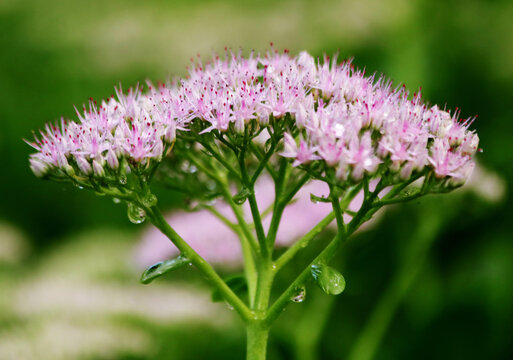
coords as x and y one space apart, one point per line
431 279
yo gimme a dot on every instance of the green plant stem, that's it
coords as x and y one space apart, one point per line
220 158
329 251
279 305
234 227
282 201
278 206
158 220
254 149
249 245
255 212
341 227
250 271
221 181
302 243
263 163
257 334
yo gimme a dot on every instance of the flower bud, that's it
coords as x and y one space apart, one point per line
112 159
98 168
83 164
38 167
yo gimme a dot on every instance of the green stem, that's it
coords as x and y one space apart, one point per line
335 202
278 205
263 163
248 243
279 305
158 220
221 181
234 227
257 335
255 212
249 263
305 240
254 149
221 159
277 308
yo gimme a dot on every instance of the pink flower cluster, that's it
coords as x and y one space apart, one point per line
130 127
355 124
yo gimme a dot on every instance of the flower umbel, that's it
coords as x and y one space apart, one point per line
325 111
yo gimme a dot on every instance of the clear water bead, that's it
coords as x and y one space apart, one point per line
149 200
136 215
299 295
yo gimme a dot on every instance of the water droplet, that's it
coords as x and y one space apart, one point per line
122 179
211 202
78 186
116 200
299 295
273 266
185 166
228 306
329 280
136 215
149 200
211 185
189 168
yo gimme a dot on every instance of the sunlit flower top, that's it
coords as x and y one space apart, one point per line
328 112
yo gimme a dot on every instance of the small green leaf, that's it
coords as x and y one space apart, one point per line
235 282
329 280
162 267
241 196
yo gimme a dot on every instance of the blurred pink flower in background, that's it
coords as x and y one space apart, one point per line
219 245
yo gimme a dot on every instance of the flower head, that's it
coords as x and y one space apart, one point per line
325 112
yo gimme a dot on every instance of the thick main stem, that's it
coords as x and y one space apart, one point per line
257 335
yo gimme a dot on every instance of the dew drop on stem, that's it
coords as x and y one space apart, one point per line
136 215
122 179
149 200
299 295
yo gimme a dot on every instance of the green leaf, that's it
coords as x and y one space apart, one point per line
329 280
236 282
163 267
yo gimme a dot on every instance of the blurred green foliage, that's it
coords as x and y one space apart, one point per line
453 255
